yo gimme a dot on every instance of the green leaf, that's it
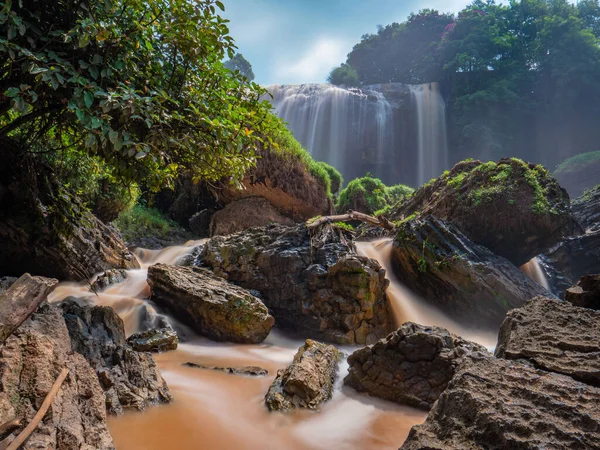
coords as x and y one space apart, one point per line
88 98
96 123
12 92
94 72
220 5
84 40
113 136
12 33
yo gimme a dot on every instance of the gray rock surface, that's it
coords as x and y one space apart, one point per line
465 280
30 361
251 371
246 213
130 379
210 305
156 340
108 278
322 291
412 366
308 381
555 336
586 293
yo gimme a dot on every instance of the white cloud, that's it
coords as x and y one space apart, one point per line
314 64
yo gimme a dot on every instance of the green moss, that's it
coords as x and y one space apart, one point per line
343 226
371 196
334 175
578 162
457 181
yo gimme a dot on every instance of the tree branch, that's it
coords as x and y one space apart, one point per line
352 215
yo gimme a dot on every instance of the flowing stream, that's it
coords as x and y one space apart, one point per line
534 270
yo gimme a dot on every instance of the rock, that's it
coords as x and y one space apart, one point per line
157 340
555 336
199 223
586 293
45 230
207 303
130 379
21 300
324 291
6 282
515 209
108 278
251 371
494 404
586 209
465 280
30 361
412 366
245 213
308 381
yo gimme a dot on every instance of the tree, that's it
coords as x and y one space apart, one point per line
138 83
344 75
242 65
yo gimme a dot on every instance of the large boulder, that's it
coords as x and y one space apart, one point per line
30 361
412 366
495 404
130 379
45 230
308 381
210 305
320 289
515 209
555 336
465 280
246 213
586 293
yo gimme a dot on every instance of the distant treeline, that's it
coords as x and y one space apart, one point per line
521 79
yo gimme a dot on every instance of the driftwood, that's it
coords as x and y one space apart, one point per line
23 435
8 427
21 300
352 215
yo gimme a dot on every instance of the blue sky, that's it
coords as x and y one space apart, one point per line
300 41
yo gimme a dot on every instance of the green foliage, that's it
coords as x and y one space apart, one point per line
139 84
334 176
344 75
343 226
577 163
240 64
141 221
371 196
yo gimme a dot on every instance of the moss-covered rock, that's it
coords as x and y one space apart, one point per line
46 230
579 173
515 209
371 196
466 281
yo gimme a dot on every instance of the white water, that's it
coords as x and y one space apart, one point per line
342 127
534 271
433 139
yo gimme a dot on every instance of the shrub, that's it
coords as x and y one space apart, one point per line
141 221
371 196
334 176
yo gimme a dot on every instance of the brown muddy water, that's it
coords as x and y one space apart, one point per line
213 410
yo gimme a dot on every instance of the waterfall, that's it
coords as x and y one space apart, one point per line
431 123
351 129
534 270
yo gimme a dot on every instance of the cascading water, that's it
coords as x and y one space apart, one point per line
433 139
534 270
214 410
394 131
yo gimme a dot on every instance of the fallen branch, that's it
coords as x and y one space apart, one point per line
352 215
23 435
8 427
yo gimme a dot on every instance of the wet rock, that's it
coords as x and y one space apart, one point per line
308 381
199 223
108 278
496 404
515 209
555 336
47 231
157 340
211 306
586 293
465 280
586 209
20 300
130 379
251 371
30 361
246 213
323 291
6 282
412 366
